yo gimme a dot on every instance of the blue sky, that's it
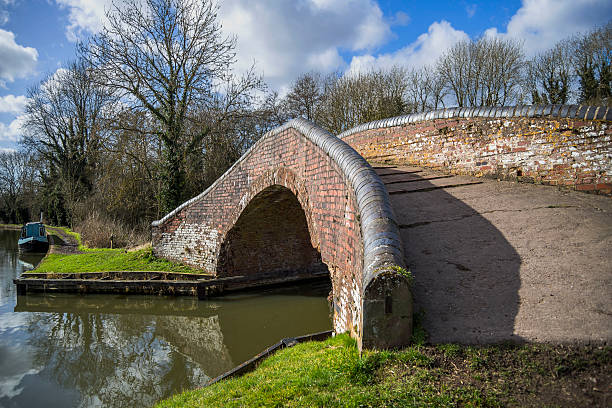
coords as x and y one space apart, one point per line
287 37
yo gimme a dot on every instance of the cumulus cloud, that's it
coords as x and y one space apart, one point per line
85 16
13 131
12 103
284 38
539 24
425 50
287 38
16 61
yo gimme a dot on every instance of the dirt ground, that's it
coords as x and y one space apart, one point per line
496 260
61 242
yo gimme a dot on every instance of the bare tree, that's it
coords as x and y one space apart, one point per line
425 89
502 63
456 70
165 57
549 75
305 95
17 179
592 62
65 125
354 99
485 72
127 186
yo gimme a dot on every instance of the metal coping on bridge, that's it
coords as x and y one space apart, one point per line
580 112
380 234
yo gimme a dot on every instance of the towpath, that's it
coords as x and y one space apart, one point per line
62 242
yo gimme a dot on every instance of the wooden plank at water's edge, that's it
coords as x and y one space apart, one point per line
151 284
202 288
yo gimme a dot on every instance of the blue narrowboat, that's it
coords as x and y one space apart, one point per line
33 238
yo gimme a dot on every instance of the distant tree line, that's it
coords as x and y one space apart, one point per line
150 113
484 72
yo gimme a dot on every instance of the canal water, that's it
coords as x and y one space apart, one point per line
65 350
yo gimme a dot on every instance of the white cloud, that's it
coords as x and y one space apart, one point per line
287 38
12 103
400 19
13 131
85 16
284 38
15 61
4 17
539 24
471 10
425 50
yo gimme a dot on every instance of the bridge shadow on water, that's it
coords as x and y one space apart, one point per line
466 274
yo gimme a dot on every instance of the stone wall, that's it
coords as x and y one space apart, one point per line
298 201
559 145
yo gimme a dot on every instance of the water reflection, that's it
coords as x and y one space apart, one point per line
108 350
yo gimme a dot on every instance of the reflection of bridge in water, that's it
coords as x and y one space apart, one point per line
211 332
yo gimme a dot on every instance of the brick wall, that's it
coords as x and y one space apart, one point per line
298 201
557 145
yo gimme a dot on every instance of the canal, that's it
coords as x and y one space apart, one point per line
66 350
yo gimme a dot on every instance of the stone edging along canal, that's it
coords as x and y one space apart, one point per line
149 283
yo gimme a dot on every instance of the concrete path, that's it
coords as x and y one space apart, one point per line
495 261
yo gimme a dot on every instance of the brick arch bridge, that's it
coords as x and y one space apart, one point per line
299 203
302 202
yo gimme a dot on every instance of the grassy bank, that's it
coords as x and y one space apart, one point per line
85 259
109 260
14 227
331 374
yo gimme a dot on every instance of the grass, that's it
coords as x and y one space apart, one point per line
109 260
11 226
332 374
105 259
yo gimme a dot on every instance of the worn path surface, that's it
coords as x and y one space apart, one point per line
61 242
495 260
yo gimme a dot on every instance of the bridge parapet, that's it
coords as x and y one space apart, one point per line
563 145
298 199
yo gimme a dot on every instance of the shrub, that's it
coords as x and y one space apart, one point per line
96 232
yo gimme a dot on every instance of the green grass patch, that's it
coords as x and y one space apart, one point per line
102 260
326 374
333 374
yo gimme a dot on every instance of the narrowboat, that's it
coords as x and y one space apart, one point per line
33 238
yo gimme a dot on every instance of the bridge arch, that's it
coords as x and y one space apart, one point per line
339 209
271 238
